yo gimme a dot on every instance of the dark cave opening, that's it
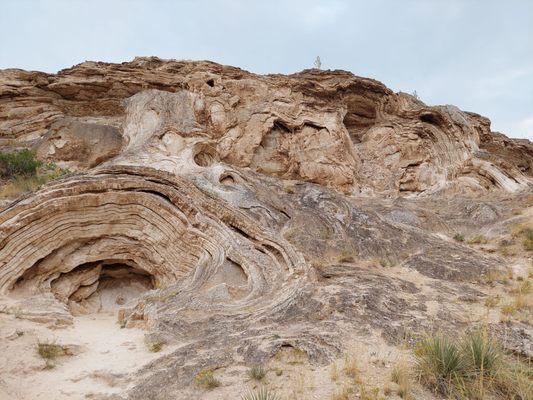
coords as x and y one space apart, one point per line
107 286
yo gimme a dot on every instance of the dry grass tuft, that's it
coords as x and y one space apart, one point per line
478 239
257 373
334 372
401 375
50 351
350 366
206 379
524 232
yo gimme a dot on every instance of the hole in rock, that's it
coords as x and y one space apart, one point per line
101 286
227 179
205 156
210 82
432 118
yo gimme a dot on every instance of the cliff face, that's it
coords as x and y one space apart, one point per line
326 127
237 217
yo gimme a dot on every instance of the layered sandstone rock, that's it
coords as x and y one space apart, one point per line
214 207
326 127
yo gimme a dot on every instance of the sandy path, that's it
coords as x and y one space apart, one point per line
107 352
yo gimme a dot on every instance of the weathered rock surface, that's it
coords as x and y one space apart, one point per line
326 127
222 210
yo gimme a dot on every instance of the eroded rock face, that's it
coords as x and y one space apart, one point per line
326 127
211 209
79 145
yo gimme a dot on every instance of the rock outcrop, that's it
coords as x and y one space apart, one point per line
326 127
213 207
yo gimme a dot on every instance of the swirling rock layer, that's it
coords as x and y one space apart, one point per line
327 127
222 211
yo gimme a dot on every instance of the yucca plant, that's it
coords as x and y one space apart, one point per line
262 393
439 363
481 353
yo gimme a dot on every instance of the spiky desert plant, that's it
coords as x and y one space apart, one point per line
262 393
439 363
481 353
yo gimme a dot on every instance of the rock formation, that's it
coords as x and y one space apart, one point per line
213 207
325 127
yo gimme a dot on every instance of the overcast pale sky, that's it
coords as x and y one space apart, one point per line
476 54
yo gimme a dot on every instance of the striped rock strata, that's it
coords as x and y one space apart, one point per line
209 207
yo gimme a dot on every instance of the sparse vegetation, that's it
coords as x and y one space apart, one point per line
342 394
525 234
18 163
402 377
369 394
348 254
206 379
50 351
26 174
494 276
334 372
257 373
459 237
291 355
262 393
439 363
471 367
385 263
520 301
492 301
155 347
350 366
477 239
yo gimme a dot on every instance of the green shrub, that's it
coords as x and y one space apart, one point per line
21 162
260 394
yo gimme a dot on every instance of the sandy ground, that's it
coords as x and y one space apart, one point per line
106 355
